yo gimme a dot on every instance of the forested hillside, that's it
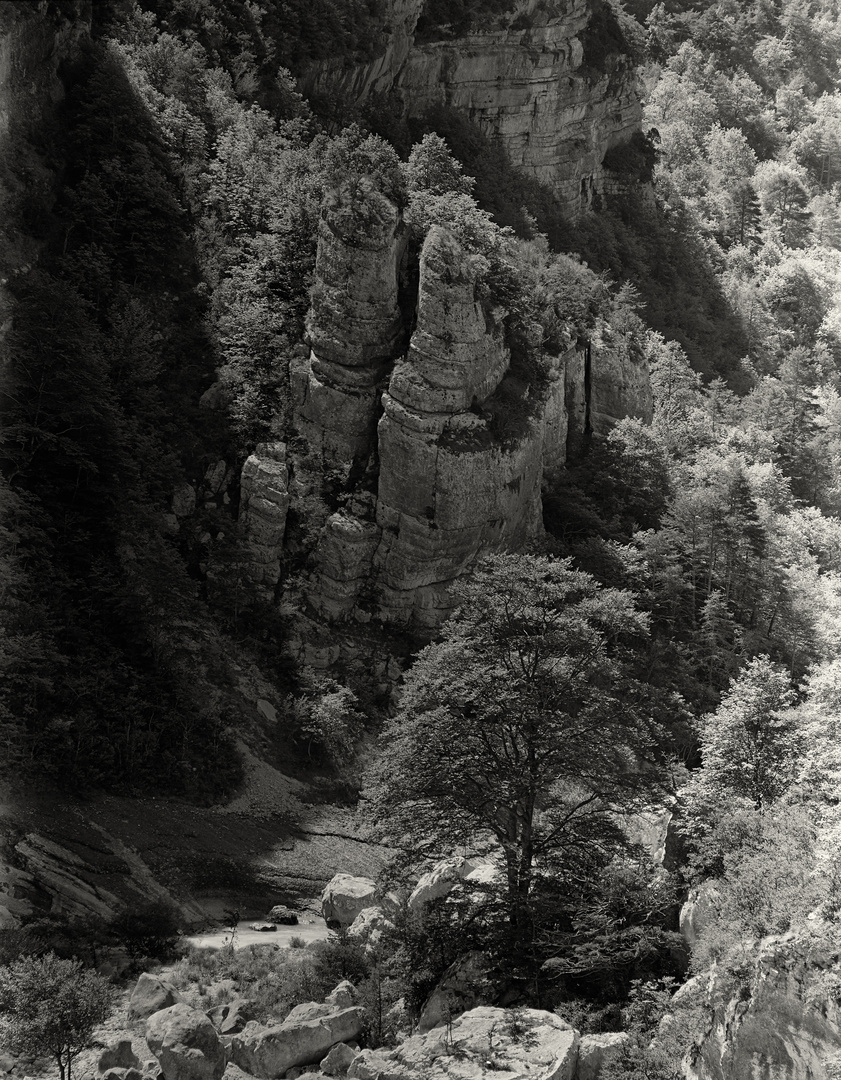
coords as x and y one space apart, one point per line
687 586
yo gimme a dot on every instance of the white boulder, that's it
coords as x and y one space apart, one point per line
596 1051
442 878
345 897
186 1044
521 1044
305 1036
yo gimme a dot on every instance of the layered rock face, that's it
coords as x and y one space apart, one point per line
773 1028
540 78
398 476
355 326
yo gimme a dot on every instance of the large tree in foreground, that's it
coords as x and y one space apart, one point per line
520 728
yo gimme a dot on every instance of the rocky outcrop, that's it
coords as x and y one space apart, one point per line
86 873
700 909
414 456
345 896
186 1044
304 1037
463 985
151 995
521 1044
264 501
447 489
445 875
596 1051
355 327
780 1022
547 80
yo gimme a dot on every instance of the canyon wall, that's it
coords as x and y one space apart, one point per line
399 476
782 1022
548 80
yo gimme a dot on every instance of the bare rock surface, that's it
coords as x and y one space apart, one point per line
345 896
527 76
779 1025
119 1055
596 1051
186 1044
151 995
506 1044
303 1038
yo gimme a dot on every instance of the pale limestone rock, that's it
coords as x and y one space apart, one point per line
345 896
118 1055
619 384
230 1018
453 359
338 1060
264 488
342 995
150 995
186 1044
439 881
481 1043
463 986
305 1036
596 1051
355 326
523 77
701 909
768 1028
369 924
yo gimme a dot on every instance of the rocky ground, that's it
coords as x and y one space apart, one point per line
279 841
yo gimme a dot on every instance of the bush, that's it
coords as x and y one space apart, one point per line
148 929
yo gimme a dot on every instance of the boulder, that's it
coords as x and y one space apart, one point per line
263 927
369 924
342 995
596 1051
117 1073
338 1060
445 875
186 1044
463 985
118 1055
232 1017
305 1036
518 1044
345 896
282 915
150 995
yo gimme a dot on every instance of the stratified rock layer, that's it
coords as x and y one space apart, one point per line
413 456
541 78
355 326
778 1026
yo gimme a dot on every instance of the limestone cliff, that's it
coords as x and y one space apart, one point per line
548 79
398 476
781 1022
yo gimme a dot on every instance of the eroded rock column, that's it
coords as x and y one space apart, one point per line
354 326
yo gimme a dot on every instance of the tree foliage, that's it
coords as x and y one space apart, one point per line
522 727
52 1006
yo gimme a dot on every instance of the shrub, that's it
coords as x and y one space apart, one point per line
147 929
51 1006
